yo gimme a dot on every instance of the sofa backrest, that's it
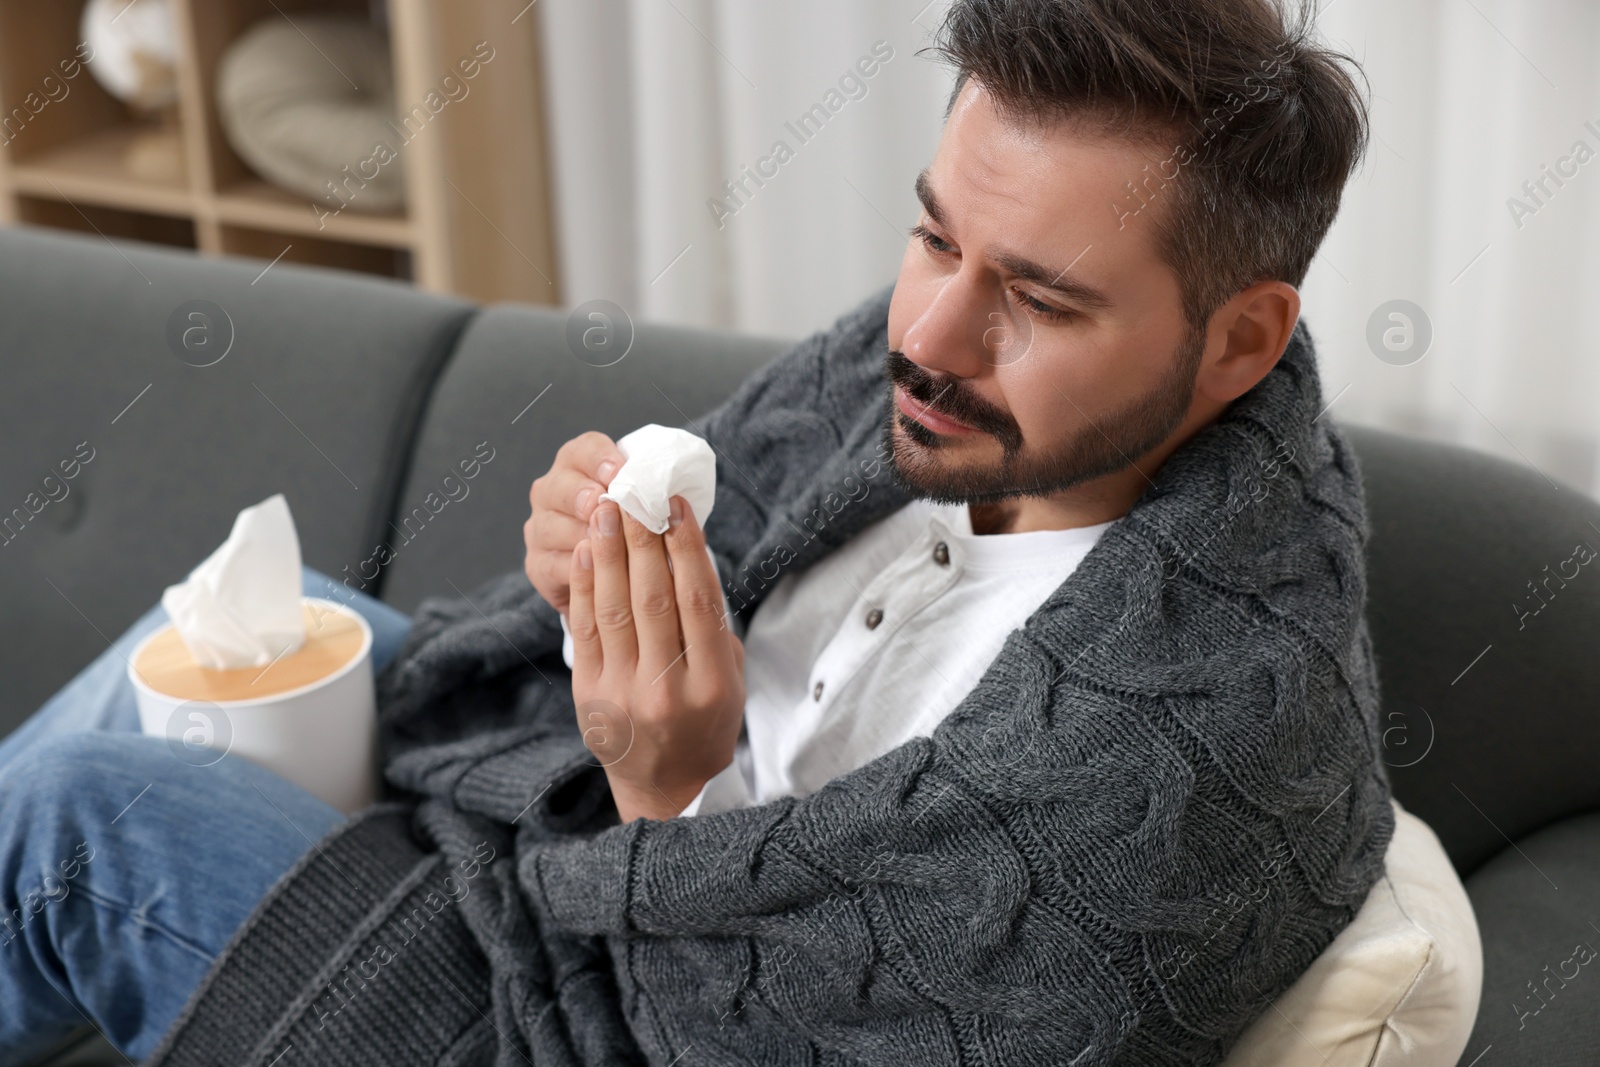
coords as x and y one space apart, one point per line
515 391
318 397
1485 621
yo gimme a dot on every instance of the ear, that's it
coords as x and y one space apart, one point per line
1251 330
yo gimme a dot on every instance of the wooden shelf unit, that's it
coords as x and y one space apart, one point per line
477 220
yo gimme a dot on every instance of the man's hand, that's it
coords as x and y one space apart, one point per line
657 675
563 500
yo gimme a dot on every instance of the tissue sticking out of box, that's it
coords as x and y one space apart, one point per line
241 606
661 463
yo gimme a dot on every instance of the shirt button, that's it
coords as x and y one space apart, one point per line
941 553
816 691
874 617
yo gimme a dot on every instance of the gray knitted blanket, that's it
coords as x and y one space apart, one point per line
1160 803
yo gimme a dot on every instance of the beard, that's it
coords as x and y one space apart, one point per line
1105 446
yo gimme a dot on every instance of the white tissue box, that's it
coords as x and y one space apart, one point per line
310 716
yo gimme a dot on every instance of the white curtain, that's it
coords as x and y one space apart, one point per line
654 104
1471 99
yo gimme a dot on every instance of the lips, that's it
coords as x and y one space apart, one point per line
929 419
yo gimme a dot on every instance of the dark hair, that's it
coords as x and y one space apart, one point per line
1261 126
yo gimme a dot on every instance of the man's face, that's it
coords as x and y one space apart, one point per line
1036 341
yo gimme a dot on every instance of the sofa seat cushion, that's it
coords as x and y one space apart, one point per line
1538 905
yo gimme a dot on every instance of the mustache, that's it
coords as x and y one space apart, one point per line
950 398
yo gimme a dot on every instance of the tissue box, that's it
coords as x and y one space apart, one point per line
310 716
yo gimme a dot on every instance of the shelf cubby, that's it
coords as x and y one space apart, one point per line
106 221
476 221
275 245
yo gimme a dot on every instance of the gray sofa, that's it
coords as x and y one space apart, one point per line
355 397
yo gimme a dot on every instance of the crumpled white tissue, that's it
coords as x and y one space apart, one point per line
241 606
661 463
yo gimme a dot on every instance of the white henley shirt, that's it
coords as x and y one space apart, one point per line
877 642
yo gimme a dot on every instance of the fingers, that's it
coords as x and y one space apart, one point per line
560 531
699 595
588 655
589 454
655 607
549 571
613 602
550 531
562 500
569 492
550 539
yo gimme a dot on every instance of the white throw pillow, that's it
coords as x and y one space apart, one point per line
287 109
1399 985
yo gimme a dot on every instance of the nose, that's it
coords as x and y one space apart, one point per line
949 334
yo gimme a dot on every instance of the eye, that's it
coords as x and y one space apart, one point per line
1045 311
934 243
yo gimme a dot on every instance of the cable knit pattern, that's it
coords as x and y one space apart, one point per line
1158 806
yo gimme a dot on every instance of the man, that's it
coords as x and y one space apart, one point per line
1051 735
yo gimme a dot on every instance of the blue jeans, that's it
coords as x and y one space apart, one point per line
124 870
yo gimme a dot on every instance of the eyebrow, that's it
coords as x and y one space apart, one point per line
1073 289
